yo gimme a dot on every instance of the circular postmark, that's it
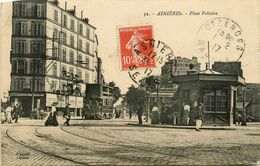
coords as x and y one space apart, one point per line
220 39
150 51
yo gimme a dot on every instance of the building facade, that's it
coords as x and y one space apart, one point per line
217 92
100 99
177 67
232 68
48 44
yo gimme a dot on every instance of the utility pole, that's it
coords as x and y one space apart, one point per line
33 79
148 105
244 107
208 57
59 59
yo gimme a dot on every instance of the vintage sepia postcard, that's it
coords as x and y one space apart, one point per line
130 82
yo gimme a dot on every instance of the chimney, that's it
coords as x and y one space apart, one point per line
81 14
75 10
65 5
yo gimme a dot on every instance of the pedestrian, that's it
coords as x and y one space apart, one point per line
163 114
3 116
16 113
124 112
67 116
52 118
8 112
155 114
186 112
83 113
199 117
130 113
140 113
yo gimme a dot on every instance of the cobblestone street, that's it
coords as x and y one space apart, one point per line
113 142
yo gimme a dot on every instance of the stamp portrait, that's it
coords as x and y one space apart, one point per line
131 41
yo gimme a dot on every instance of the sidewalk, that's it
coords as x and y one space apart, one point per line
233 127
77 121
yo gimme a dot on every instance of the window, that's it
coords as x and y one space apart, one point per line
56 15
21 67
87 77
88 33
55 52
64 38
23 9
87 62
81 29
25 66
87 47
37 28
38 85
55 34
55 70
71 58
80 60
72 24
53 86
17 28
71 40
15 9
215 100
64 54
63 68
65 20
37 47
37 66
20 47
80 44
23 28
14 67
19 84
39 10
79 74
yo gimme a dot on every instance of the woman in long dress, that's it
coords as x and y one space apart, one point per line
52 118
132 44
9 114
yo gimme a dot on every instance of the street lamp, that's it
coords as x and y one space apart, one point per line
244 107
148 91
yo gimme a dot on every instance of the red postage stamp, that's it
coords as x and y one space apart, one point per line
134 46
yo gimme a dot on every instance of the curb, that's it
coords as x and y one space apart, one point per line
182 127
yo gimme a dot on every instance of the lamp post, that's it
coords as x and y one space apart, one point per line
148 104
244 107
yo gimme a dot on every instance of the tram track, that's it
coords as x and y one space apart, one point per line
41 151
136 147
80 147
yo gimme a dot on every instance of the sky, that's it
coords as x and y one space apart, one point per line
178 32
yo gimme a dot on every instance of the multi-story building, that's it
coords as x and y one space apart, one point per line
231 68
177 67
48 43
100 98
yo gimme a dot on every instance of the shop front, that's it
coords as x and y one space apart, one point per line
217 93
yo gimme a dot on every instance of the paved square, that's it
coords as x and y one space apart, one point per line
113 142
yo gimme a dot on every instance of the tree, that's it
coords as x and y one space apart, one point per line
116 92
134 96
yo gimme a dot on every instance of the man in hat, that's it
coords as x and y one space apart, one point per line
67 114
199 117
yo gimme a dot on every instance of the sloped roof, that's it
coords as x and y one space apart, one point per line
209 71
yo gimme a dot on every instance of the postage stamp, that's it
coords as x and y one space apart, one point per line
159 53
133 46
222 38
